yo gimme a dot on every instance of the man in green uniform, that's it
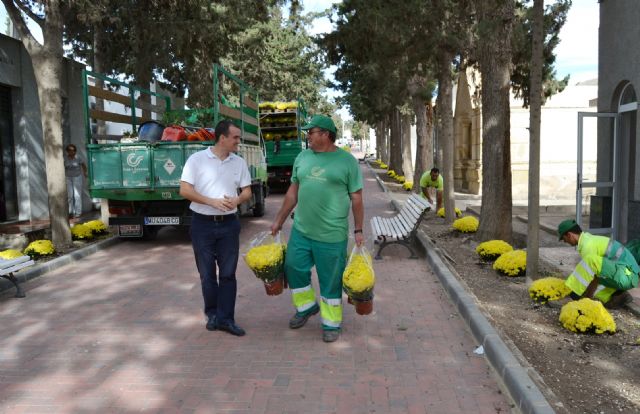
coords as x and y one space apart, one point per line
432 179
607 269
325 182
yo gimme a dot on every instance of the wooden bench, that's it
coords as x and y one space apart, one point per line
401 228
8 266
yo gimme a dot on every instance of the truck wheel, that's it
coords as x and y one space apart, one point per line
150 232
258 210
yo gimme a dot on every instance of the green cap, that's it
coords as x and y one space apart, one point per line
565 226
321 121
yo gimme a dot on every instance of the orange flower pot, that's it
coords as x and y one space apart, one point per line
274 288
363 307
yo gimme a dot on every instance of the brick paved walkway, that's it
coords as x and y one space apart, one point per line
122 331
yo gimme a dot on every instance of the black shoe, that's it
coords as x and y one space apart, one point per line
330 336
211 323
298 321
618 300
232 328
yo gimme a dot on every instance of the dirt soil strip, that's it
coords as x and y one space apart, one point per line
578 373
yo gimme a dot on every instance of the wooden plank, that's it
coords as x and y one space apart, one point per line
411 212
414 207
385 229
230 112
249 119
420 207
109 95
146 106
109 116
395 223
375 227
248 136
403 226
389 228
107 137
250 103
420 201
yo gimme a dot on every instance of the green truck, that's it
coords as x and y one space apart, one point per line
280 127
137 173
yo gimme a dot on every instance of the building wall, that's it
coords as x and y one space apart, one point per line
619 64
16 71
558 142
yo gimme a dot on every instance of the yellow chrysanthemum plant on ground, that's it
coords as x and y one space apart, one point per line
39 248
408 185
468 224
441 212
548 288
399 178
512 263
492 249
10 254
97 227
81 232
265 256
587 316
392 174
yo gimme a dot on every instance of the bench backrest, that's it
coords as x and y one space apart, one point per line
405 222
413 209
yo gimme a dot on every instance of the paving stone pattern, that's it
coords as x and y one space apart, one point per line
122 331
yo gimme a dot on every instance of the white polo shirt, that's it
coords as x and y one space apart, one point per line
215 178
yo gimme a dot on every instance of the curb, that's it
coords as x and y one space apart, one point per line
522 390
42 268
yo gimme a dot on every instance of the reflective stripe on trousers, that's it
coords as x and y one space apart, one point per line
303 298
331 312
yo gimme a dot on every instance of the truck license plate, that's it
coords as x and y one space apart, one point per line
130 230
161 221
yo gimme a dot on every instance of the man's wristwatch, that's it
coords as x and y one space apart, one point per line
357 231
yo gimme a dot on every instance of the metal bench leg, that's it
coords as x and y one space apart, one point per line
12 279
382 241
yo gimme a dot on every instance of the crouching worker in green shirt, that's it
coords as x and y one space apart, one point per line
607 269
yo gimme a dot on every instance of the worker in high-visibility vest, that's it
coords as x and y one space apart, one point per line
607 269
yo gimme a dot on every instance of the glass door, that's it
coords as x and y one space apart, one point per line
596 179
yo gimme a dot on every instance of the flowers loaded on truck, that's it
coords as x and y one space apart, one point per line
137 172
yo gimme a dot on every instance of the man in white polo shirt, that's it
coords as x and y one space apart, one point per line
211 179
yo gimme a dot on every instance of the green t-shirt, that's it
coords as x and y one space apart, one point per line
426 182
325 181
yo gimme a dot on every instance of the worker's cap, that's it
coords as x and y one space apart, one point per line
321 121
565 226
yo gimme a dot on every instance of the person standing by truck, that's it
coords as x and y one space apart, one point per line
210 180
325 182
75 170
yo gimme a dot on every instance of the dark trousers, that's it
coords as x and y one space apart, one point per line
217 243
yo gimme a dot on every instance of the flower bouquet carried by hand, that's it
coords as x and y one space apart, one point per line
358 280
265 257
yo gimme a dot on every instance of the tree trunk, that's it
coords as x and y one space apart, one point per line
423 111
496 19
379 128
445 106
395 143
535 100
407 158
47 66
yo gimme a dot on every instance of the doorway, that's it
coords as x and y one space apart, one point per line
8 198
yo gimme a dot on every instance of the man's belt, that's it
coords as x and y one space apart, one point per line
211 217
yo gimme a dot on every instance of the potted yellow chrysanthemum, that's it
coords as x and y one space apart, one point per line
358 280
265 258
512 263
548 288
492 249
441 213
468 224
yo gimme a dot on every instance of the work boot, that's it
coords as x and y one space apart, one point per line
298 321
211 323
618 300
330 336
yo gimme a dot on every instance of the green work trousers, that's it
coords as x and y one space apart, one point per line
330 260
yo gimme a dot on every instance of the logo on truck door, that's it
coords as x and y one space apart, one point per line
133 161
